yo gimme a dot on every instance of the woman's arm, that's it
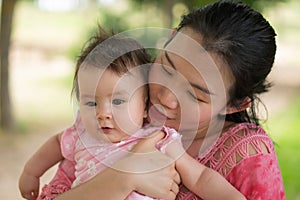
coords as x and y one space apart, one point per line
145 170
203 181
47 156
106 185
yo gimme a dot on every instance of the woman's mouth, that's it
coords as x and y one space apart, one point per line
157 117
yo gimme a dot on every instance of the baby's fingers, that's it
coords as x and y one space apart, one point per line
148 144
30 195
35 194
29 186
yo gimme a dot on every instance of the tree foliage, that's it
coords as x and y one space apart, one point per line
167 5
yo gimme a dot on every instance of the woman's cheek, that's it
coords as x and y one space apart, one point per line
155 74
195 115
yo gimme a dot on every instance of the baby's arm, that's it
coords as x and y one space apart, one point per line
203 181
47 156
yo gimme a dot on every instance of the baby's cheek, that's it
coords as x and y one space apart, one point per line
89 125
89 121
128 123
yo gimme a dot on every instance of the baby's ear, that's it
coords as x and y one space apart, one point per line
146 106
243 105
145 113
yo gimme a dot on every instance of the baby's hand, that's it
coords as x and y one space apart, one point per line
29 186
174 150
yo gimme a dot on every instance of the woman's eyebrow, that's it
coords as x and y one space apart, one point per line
203 89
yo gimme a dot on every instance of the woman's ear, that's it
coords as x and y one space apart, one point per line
243 105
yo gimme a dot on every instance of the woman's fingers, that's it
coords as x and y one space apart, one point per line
155 172
177 179
171 196
172 192
174 188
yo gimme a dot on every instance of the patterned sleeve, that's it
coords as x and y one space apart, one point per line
258 177
61 182
68 142
69 139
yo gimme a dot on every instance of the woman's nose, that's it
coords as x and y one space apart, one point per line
103 112
167 98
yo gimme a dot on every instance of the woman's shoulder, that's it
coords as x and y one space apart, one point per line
247 128
243 133
239 142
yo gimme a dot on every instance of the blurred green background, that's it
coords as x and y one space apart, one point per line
47 39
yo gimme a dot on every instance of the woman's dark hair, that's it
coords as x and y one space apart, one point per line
246 43
115 52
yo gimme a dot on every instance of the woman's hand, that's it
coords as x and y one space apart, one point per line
150 172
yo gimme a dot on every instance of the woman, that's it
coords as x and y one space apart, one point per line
205 84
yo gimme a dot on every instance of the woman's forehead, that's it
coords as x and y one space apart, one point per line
197 66
190 45
184 48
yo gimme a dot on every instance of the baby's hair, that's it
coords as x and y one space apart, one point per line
114 52
245 41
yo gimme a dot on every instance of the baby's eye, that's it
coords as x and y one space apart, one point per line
91 103
117 101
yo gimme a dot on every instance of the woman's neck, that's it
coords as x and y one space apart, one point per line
202 143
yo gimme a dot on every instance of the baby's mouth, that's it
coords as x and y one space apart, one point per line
106 130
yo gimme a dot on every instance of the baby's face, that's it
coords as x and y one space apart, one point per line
112 107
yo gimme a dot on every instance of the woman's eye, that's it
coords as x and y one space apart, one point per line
117 101
165 70
194 97
91 103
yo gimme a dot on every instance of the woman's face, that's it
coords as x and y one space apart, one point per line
188 87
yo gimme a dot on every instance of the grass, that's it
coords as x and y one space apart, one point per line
285 131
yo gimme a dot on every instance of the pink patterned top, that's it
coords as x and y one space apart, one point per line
244 155
91 156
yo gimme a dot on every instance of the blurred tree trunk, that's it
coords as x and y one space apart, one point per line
6 116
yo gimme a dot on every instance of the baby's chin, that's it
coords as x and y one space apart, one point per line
113 138
113 135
